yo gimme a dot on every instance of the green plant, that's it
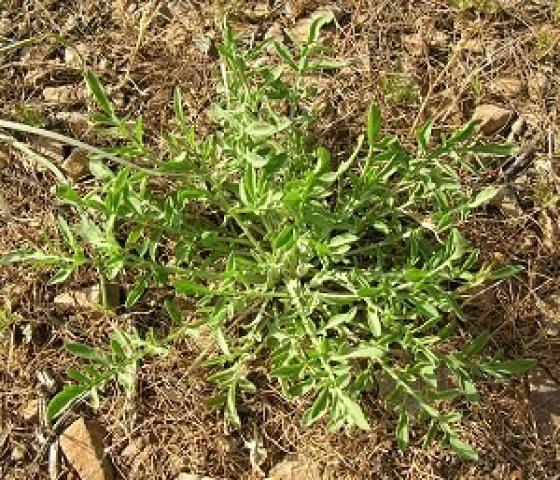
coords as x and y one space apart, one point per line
399 88
332 275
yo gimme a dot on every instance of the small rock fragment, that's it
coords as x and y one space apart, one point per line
6 26
90 296
493 118
135 447
5 210
537 86
473 45
78 298
65 94
258 11
415 44
545 403
507 202
550 230
72 58
4 157
77 164
82 445
193 476
30 410
19 452
550 308
295 467
508 86
275 33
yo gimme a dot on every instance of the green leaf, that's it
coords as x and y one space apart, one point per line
402 430
506 272
65 232
463 448
285 54
29 256
424 136
288 371
117 349
100 170
77 376
318 409
222 342
373 124
343 239
476 346
285 238
173 312
61 275
326 64
84 351
366 351
508 367
230 405
339 319
320 20
354 412
178 109
187 287
492 149
256 160
64 399
484 197
136 293
95 87
260 130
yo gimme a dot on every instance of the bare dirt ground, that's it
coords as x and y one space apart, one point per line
429 59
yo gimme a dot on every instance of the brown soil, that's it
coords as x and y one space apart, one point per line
449 60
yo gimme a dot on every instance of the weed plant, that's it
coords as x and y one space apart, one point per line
334 277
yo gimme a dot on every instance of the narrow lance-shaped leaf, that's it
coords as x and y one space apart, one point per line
373 124
463 448
354 412
318 409
99 94
62 400
402 429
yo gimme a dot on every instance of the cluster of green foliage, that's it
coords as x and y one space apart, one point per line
332 275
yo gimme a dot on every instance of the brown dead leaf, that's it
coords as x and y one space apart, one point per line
82 444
